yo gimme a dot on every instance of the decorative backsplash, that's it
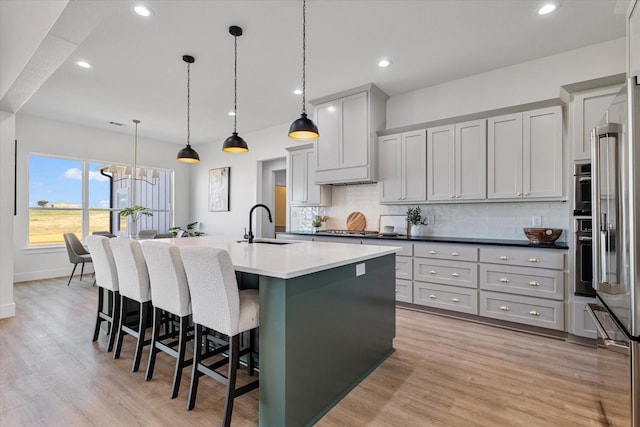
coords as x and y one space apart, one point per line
482 220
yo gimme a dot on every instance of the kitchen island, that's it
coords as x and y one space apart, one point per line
327 319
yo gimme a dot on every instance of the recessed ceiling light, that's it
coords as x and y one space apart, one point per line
231 113
142 10
547 8
83 64
298 91
384 63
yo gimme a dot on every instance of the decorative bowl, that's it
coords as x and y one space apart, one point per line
542 235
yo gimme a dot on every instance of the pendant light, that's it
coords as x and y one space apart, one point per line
303 129
188 154
235 144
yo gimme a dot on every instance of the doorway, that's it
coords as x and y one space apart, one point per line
272 191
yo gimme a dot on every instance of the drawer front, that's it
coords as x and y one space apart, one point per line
527 310
407 248
447 297
446 251
535 282
404 290
455 273
549 258
404 267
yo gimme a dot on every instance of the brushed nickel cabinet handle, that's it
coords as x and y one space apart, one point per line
534 260
397 268
526 194
453 196
433 272
504 280
504 308
455 254
432 296
455 274
397 290
534 283
455 300
432 252
503 257
519 194
534 313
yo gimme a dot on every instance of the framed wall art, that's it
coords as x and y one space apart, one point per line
219 189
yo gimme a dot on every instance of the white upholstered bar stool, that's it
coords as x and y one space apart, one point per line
218 304
106 279
133 280
171 294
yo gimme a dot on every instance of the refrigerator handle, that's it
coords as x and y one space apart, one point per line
595 203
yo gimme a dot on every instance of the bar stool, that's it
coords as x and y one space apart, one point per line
218 304
171 294
106 279
133 279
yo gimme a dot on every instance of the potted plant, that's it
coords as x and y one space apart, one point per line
134 213
317 222
416 223
191 230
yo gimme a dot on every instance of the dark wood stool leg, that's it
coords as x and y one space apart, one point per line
72 271
231 382
142 331
123 304
195 374
155 334
115 318
252 349
96 331
182 349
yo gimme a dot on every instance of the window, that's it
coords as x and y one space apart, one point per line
82 197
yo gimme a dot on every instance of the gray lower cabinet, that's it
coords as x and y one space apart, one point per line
528 310
404 290
447 297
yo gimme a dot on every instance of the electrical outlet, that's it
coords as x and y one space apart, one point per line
536 221
431 219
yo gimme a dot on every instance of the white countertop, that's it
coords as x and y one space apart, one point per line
286 261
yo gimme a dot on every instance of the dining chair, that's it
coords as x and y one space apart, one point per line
218 304
77 253
133 279
147 234
107 281
104 233
164 236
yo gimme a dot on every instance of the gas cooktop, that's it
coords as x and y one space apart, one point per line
350 232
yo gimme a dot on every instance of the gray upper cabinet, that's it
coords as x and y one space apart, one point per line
456 158
633 36
524 155
588 108
402 167
301 188
347 123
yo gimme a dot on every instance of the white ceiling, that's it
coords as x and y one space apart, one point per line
138 72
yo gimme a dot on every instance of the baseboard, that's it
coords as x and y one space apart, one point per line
7 310
51 274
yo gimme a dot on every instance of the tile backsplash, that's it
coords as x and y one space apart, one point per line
481 220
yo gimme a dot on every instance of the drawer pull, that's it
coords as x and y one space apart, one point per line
455 254
503 257
455 274
504 280
432 296
397 290
397 268
534 283
455 300
504 308
534 260
534 313
433 272
432 252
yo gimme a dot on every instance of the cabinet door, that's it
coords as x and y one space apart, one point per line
414 166
313 190
588 108
328 120
471 163
389 166
633 36
298 177
441 158
504 157
354 138
542 153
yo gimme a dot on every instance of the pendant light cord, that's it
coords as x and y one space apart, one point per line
188 102
304 59
235 83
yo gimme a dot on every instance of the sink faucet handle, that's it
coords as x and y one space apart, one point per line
246 236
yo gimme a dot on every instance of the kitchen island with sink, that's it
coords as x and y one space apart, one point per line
327 319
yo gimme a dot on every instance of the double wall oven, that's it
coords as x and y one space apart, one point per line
583 238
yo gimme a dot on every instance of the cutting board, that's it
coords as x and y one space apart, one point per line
356 221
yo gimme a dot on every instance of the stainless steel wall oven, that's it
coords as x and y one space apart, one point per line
584 258
582 190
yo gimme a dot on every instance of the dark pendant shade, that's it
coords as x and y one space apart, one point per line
235 144
188 155
303 129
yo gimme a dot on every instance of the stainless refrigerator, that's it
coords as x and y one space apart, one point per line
615 149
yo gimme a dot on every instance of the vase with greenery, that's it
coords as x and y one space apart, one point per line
317 222
133 214
416 223
191 230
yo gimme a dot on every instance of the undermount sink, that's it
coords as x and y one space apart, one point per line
268 242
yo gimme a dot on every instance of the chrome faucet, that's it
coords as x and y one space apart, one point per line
250 235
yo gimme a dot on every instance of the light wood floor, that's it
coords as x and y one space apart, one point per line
445 372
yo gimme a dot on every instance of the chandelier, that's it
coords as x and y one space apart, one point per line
120 173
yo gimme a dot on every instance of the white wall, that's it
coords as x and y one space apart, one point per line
43 136
7 137
531 81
